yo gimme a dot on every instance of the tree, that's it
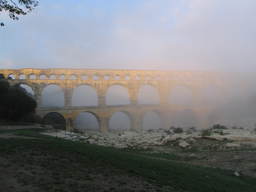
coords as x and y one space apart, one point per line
15 103
1 76
16 8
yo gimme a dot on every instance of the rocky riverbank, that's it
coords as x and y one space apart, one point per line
232 137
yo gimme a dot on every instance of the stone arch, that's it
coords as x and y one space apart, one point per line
107 77
146 77
151 120
127 77
43 76
148 95
32 76
84 77
22 76
11 76
137 77
73 77
52 96
55 119
117 77
29 89
181 95
87 120
96 77
84 95
120 121
62 77
117 94
52 76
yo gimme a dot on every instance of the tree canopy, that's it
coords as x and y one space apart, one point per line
15 103
16 8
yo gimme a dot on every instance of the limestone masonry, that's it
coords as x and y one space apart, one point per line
101 80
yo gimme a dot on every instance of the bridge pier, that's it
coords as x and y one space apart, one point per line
202 117
69 124
104 124
68 96
133 93
102 101
166 121
38 95
136 122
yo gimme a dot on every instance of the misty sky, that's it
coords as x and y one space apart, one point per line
144 34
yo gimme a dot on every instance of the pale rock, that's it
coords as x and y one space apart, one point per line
143 138
237 174
183 144
233 145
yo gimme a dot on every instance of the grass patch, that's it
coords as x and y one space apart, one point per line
180 176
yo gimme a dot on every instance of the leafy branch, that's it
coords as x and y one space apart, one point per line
17 8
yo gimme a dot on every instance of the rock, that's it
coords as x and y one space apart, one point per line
90 141
183 144
192 155
144 138
233 145
170 138
192 140
217 138
237 174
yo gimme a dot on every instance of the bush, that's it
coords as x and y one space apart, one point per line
191 130
218 126
206 132
32 118
177 129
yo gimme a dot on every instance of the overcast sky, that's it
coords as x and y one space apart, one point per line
133 34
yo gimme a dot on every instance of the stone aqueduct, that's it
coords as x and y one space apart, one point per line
101 80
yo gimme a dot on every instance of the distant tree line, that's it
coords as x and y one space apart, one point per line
16 104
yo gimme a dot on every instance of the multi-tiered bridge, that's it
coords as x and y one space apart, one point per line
101 80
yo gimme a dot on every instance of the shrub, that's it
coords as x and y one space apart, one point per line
177 129
191 130
218 126
206 132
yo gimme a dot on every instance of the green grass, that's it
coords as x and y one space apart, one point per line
163 172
